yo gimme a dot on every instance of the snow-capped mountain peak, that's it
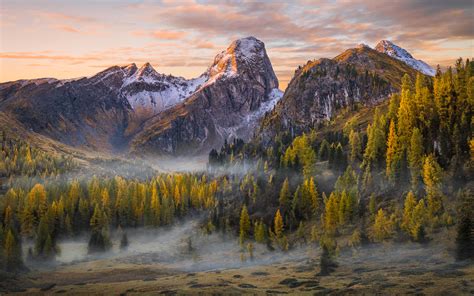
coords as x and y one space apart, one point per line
244 51
395 51
146 71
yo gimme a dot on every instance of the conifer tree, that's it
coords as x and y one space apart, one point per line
415 157
432 180
12 248
124 241
382 228
244 225
331 214
355 146
392 154
285 196
408 210
278 224
314 196
259 232
45 246
465 227
99 240
405 115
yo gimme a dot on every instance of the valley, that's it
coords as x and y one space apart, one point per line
356 180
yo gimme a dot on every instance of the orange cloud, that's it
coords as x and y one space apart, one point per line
205 44
170 35
35 56
67 29
62 16
161 34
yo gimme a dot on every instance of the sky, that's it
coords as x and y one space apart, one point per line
69 39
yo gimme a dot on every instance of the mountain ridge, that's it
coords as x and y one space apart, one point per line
139 109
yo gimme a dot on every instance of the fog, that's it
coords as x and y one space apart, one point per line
182 247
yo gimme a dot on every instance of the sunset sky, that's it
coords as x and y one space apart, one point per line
67 39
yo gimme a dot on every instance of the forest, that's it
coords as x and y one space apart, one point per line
404 177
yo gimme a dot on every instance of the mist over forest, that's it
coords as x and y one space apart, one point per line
357 179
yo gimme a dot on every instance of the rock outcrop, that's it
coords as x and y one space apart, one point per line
320 88
240 88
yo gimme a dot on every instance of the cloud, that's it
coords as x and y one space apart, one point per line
161 34
180 34
55 16
66 28
39 56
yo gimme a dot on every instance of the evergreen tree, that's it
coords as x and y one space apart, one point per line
285 196
331 214
13 261
124 241
382 228
465 227
405 115
278 224
355 146
260 232
415 157
432 180
408 210
45 246
392 154
99 240
326 262
244 225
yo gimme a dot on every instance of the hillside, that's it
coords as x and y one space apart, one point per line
320 88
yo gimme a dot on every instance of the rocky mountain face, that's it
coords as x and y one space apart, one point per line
84 112
94 112
142 111
318 89
401 54
241 87
160 113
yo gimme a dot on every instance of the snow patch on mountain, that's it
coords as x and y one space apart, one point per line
250 120
226 63
401 54
170 91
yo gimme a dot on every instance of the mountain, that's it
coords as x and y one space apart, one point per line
401 54
159 112
87 112
241 87
322 87
146 89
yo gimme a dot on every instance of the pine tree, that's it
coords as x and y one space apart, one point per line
406 117
12 248
285 196
465 227
408 210
250 249
244 225
382 227
314 196
260 232
300 235
331 214
355 146
28 221
45 246
326 262
392 154
155 207
415 157
278 224
99 240
432 180
124 241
